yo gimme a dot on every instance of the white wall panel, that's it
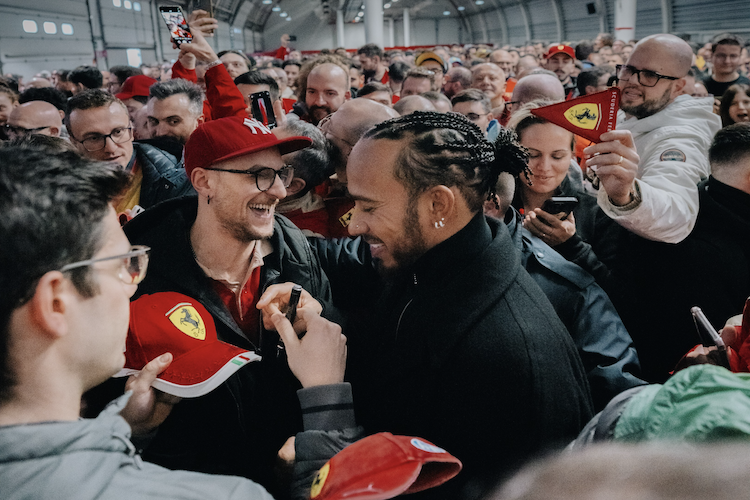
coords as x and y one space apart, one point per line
647 19
28 53
516 26
447 30
543 24
126 27
579 24
697 18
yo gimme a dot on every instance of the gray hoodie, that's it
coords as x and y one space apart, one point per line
94 458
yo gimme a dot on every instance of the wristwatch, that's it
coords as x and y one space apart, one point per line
635 199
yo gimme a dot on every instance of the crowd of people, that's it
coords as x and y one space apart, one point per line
416 198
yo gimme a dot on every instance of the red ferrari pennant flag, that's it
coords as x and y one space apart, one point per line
589 116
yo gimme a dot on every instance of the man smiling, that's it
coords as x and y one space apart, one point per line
224 248
650 166
99 127
453 339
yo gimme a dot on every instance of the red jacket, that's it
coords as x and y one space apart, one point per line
222 96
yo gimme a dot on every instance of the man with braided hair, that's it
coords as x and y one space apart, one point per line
453 341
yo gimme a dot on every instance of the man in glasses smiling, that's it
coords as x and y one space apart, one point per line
224 248
650 166
99 127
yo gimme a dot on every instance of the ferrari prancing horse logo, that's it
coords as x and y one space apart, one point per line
188 321
585 115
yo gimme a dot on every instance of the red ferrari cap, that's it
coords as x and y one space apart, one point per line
173 322
557 49
137 85
226 138
383 466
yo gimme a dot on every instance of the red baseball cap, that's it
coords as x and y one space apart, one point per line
172 322
383 466
556 49
225 138
137 85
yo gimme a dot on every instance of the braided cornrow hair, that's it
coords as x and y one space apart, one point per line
447 149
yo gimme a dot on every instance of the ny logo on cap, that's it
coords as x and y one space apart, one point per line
255 126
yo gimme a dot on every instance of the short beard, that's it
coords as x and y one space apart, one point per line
238 229
311 114
369 74
648 108
408 251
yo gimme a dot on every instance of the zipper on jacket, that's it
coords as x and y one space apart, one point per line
401 316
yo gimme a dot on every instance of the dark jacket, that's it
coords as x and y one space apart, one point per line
164 175
660 282
604 344
239 427
594 245
464 350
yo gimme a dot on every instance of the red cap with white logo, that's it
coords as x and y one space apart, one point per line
226 138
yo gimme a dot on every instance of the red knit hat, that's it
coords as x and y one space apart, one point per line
172 322
557 49
225 138
383 466
137 85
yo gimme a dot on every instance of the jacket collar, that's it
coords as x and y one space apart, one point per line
454 253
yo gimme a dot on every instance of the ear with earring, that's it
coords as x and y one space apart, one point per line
440 223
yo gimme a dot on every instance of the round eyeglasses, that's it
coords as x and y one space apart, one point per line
133 268
264 176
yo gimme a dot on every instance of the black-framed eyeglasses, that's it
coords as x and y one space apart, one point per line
13 132
264 176
134 264
646 77
99 142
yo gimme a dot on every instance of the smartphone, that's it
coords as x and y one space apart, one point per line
560 205
710 337
176 24
292 38
291 312
208 6
262 109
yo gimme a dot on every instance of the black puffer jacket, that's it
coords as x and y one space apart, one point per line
164 175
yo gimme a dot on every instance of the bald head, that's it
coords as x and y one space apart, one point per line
409 104
357 116
538 86
332 72
348 124
525 65
38 83
669 55
503 59
38 116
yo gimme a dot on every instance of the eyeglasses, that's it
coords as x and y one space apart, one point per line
646 77
265 176
324 126
13 132
99 142
134 264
